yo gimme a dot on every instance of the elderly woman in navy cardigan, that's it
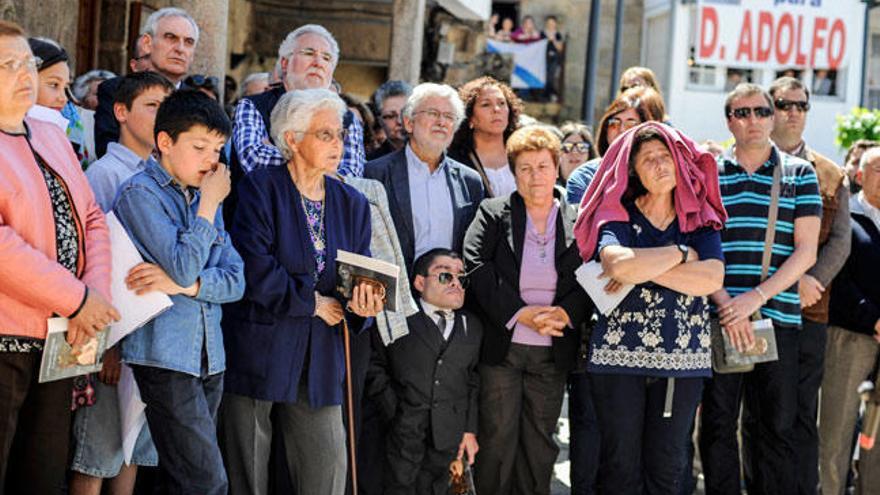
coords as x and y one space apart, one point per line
284 338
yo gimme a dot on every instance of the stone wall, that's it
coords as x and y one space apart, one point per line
61 25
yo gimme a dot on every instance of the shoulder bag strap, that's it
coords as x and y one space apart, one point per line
770 235
479 166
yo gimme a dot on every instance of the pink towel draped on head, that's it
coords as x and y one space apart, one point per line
697 195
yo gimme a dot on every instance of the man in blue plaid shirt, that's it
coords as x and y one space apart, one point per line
308 58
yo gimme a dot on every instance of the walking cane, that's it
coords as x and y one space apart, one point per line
352 448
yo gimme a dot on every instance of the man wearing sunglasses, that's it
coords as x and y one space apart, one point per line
792 101
427 381
769 392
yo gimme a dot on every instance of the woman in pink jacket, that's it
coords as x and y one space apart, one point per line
54 261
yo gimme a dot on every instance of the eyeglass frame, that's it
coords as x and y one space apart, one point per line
743 113
788 105
581 144
435 115
445 278
619 123
341 135
32 62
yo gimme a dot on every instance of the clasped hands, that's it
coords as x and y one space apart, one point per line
546 320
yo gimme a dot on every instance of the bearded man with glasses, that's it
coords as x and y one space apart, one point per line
769 392
427 381
792 101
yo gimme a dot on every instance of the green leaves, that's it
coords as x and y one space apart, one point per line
861 123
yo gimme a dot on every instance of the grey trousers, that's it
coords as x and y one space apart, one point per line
520 402
314 443
849 359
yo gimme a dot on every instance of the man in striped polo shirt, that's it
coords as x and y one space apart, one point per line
769 393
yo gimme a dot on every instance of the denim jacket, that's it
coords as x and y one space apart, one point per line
167 231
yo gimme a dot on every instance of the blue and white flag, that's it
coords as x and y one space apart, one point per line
529 62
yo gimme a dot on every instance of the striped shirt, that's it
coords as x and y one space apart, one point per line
747 200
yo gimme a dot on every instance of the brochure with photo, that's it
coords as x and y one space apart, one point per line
61 360
354 269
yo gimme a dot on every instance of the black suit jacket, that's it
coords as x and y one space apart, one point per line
493 248
464 184
423 382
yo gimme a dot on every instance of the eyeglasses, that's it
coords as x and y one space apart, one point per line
327 136
445 278
436 114
390 116
786 105
615 123
312 53
14 64
746 112
579 147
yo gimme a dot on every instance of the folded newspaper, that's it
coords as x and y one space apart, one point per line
61 360
589 276
353 269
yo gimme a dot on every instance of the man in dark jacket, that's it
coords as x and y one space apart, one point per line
852 349
427 381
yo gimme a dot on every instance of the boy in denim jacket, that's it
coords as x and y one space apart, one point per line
172 212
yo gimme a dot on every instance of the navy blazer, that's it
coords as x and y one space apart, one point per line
464 184
267 333
855 293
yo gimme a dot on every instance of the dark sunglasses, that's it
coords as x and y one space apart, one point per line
746 112
200 81
786 105
445 278
579 147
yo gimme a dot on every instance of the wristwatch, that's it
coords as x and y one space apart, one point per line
684 252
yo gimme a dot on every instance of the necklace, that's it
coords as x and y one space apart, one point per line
316 235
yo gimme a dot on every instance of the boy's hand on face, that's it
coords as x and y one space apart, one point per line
216 185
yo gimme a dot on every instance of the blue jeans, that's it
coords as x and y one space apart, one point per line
643 453
182 415
584 425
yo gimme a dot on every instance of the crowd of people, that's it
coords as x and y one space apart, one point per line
262 377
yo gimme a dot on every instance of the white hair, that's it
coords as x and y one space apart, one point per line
863 161
432 90
153 21
294 112
81 84
288 46
255 76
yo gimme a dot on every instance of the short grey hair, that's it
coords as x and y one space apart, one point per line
430 90
81 84
153 21
863 161
294 112
389 89
255 76
289 44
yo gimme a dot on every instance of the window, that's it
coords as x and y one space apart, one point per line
737 75
826 83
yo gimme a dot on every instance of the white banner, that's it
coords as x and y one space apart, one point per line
778 33
529 62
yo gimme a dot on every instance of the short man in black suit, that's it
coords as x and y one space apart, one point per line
427 381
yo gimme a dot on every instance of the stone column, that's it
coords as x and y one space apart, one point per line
213 20
407 35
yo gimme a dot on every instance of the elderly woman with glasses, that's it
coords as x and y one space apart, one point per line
54 261
284 339
631 108
522 257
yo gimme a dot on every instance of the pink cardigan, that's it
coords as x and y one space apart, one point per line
34 286
697 195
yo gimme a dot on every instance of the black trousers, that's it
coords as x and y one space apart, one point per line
34 427
768 396
811 362
643 452
583 452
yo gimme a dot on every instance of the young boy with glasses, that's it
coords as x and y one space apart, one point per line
427 381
